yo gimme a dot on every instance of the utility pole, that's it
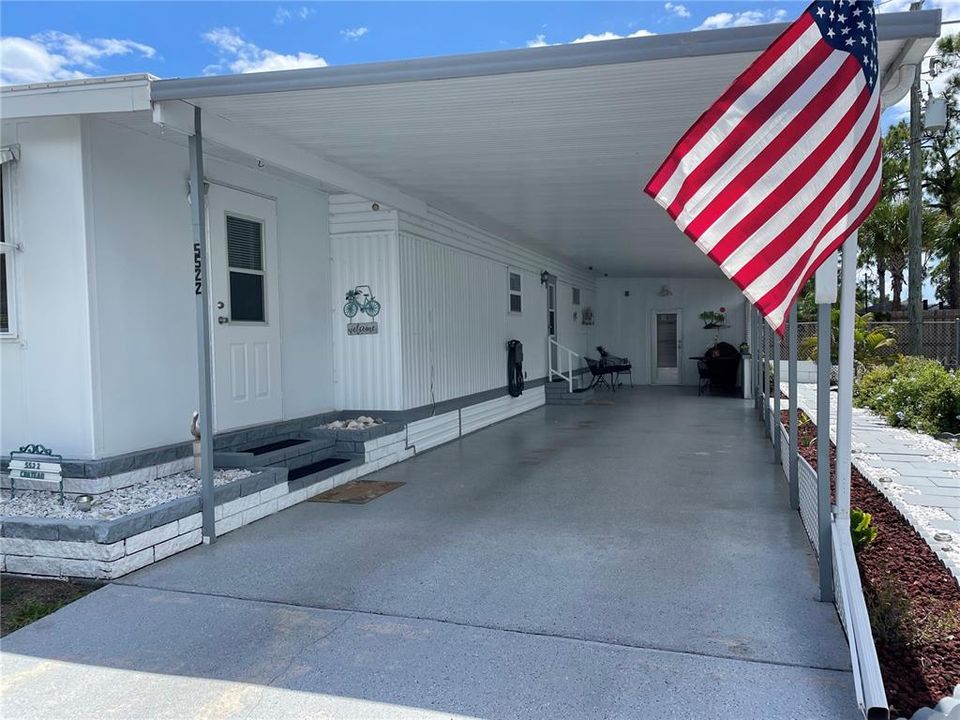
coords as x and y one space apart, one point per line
915 254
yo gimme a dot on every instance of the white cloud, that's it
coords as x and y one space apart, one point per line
541 40
742 19
239 55
590 37
678 10
284 14
55 55
354 33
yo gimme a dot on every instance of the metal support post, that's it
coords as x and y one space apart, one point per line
794 473
848 298
776 397
198 213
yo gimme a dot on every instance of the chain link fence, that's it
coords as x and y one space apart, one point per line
940 339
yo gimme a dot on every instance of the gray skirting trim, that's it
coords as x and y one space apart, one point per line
235 439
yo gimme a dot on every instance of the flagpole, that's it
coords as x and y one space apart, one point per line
848 298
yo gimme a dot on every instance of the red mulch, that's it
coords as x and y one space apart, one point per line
920 669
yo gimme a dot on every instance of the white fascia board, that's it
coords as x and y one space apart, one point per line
890 26
104 96
178 115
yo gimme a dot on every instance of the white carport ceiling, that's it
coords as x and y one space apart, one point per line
552 157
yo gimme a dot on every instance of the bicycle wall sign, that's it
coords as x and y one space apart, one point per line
361 299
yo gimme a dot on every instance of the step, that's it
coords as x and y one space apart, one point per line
275 451
296 463
315 472
579 397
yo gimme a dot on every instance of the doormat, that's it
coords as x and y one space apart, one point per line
357 492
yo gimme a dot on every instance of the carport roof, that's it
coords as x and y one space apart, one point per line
546 146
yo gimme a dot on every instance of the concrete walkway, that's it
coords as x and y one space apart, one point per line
633 560
917 473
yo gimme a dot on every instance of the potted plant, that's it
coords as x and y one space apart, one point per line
713 319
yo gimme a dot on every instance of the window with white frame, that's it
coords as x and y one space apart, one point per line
576 297
516 292
8 325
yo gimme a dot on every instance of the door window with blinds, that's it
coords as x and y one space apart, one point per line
245 265
515 292
666 340
7 258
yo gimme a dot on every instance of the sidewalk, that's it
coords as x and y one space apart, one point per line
915 472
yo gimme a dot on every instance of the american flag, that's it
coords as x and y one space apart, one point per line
779 171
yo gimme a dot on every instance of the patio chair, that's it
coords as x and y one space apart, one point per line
703 370
599 374
615 366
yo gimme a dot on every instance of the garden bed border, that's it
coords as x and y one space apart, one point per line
109 549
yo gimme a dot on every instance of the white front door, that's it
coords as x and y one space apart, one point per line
245 308
552 322
667 347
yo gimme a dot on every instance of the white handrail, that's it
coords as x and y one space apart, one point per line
551 343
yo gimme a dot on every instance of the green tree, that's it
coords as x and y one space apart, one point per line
942 164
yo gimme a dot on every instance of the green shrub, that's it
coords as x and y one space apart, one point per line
862 530
914 392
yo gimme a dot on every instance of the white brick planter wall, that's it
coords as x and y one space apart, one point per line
71 549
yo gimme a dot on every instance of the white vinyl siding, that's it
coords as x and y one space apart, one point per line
455 281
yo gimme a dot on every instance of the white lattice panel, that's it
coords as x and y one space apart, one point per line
808 502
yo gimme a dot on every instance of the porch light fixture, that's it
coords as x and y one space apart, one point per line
544 277
665 291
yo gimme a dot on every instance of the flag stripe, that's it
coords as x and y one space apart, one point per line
778 315
805 132
741 150
751 124
802 34
826 167
861 194
768 260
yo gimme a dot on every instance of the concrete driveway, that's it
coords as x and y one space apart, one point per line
633 560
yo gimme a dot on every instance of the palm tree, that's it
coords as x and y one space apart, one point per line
871 345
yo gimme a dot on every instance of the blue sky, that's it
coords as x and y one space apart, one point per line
45 41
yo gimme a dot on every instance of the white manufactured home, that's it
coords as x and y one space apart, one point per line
444 244
479 199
